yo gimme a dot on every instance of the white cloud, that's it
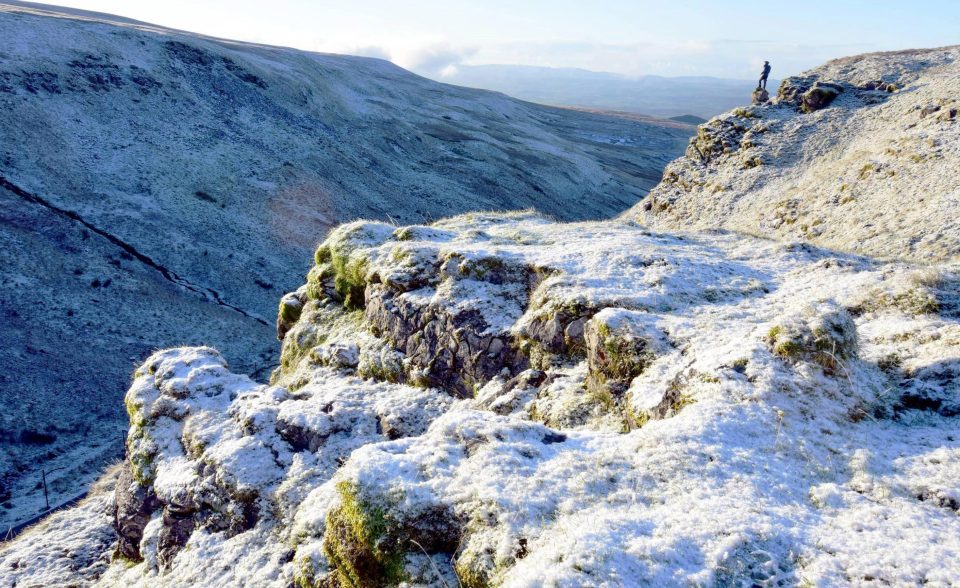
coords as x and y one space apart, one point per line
428 56
730 58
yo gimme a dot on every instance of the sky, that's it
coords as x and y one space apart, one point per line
630 37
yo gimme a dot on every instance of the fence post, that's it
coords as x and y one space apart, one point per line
46 499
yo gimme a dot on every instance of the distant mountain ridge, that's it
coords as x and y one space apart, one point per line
653 95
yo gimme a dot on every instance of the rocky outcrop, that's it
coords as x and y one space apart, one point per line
620 346
205 495
466 402
829 160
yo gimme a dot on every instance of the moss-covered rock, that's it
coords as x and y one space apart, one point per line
823 333
291 306
820 95
346 250
367 538
620 345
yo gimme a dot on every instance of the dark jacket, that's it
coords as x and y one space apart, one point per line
766 71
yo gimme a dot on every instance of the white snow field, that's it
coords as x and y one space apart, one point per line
161 188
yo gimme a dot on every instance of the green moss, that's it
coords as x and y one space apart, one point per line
350 279
297 344
290 313
322 254
358 543
404 234
308 576
141 461
120 558
471 576
682 401
316 277
381 372
634 419
788 348
624 358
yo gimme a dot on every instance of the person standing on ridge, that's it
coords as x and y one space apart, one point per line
763 76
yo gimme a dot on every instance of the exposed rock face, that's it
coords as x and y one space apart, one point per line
618 383
450 350
857 155
133 505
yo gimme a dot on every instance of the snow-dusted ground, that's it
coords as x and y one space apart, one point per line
498 399
717 410
873 172
151 180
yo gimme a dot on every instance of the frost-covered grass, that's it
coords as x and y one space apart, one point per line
783 420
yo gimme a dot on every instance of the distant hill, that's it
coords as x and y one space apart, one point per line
654 95
689 119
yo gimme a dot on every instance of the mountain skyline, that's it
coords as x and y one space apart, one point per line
432 38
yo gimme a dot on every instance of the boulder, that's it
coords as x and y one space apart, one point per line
823 333
620 345
820 95
368 536
761 96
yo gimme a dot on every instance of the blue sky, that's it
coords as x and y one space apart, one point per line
725 39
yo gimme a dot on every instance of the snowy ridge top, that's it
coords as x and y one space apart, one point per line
728 407
856 155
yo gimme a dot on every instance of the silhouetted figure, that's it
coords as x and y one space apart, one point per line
763 76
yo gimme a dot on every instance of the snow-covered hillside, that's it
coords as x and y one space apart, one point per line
498 399
860 155
161 188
